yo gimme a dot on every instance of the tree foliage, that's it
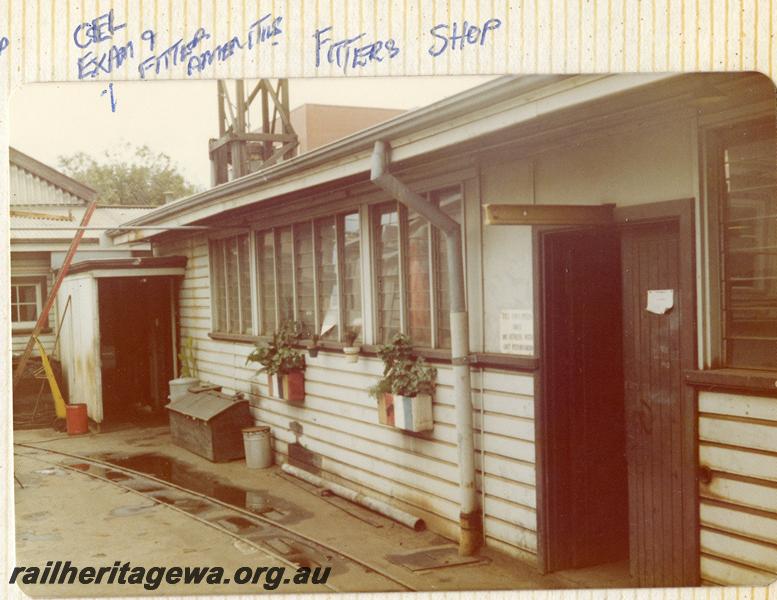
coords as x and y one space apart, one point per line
128 175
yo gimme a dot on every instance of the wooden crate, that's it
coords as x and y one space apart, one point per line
210 424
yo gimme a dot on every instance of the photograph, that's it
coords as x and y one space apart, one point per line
404 334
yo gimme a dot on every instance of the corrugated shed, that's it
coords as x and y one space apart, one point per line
339 424
738 509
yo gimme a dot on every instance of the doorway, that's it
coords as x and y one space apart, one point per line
615 425
136 346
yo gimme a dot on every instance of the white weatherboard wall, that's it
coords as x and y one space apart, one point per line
80 343
738 510
340 424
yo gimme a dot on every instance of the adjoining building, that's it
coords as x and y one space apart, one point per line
98 357
619 236
46 208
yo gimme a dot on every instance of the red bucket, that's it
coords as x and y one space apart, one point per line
75 416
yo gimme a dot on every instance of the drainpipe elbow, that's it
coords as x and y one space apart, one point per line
379 161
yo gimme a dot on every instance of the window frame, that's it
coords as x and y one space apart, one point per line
40 293
434 239
217 327
339 218
716 140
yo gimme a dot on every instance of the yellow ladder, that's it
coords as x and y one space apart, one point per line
59 401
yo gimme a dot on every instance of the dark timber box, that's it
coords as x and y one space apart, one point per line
209 423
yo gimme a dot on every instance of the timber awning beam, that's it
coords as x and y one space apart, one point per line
549 214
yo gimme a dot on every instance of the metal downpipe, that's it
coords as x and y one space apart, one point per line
470 517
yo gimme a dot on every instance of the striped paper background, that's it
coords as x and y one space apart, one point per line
536 36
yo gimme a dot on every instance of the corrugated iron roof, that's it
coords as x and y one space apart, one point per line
33 183
37 226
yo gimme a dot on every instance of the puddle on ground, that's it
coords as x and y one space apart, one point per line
238 524
116 476
174 471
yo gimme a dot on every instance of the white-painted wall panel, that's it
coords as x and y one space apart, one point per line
339 423
738 511
80 343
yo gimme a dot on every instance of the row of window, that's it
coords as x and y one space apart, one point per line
311 272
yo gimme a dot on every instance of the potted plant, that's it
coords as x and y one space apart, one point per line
313 346
351 348
282 362
188 375
404 392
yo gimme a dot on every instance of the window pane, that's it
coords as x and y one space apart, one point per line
303 263
14 313
14 295
450 202
419 300
749 244
387 271
27 312
326 259
27 293
218 289
266 265
285 274
351 276
244 276
233 299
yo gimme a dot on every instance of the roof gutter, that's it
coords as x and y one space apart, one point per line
439 112
471 514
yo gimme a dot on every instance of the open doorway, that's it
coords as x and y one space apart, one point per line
136 346
615 423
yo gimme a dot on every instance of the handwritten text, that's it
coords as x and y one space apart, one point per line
346 53
450 37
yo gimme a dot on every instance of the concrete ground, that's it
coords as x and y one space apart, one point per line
62 514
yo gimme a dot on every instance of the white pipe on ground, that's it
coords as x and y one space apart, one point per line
470 517
382 508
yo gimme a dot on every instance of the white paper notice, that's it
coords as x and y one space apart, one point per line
660 301
516 331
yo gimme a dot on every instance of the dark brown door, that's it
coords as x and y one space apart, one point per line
658 346
582 447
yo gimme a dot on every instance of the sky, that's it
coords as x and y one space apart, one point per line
179 117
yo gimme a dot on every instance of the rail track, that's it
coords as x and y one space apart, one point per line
258 529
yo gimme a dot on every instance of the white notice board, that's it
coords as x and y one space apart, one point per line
516 331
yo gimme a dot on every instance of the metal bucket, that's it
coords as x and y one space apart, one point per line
179 387
256 441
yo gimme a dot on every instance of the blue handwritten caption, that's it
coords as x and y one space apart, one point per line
189 52
449 37
112 97
347 54
4 43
